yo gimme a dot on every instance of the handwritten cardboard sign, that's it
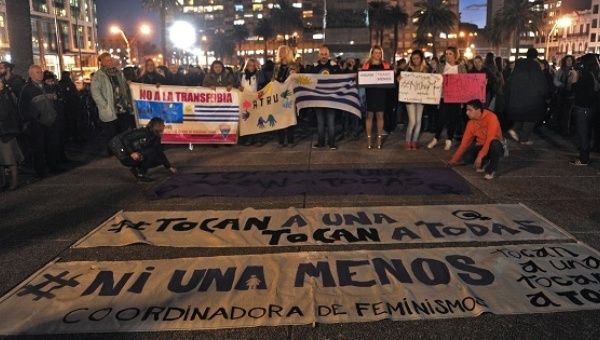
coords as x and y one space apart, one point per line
421 88
461 88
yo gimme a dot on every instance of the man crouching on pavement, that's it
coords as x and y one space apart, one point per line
482 141
141 149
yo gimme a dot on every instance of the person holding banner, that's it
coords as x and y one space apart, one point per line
285 67
219 76
151 75
251 79
325 66
449 113
376 97
141 149
415 111
482 141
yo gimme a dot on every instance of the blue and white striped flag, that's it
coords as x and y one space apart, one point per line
211 113
337 91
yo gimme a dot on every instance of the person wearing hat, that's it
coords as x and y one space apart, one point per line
12 82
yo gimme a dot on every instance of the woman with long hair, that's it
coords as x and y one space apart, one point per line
450 113
376 97
285 67
418 64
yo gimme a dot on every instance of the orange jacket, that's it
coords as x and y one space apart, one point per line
484 130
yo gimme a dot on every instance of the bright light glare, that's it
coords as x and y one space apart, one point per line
564 22
182 34
145 29
115 29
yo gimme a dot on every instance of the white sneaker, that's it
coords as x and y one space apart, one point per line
490 176
448 145
432 144
513 134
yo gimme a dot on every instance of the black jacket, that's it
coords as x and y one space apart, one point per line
328 68
38 104
527 91
10 125
152 78
139 140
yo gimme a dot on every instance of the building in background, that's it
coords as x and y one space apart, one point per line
66 28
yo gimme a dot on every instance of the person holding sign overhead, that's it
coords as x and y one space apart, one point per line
415 110
449 114
376 97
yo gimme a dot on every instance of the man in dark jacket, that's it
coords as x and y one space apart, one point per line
12 82
325 115
141 149
527 94
38 108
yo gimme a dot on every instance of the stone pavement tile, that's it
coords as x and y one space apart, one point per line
218 203
591 238
571 215
511 189
511 168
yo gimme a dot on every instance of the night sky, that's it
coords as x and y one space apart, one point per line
129 13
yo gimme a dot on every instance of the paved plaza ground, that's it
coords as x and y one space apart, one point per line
41 220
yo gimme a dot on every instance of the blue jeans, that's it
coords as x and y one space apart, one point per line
583 117
322 115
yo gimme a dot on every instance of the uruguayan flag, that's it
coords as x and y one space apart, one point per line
338 91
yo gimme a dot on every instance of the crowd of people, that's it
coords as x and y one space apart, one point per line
40 115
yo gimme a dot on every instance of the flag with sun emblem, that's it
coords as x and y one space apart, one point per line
337 91
195 115
272 108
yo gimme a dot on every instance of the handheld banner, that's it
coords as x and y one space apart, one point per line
302 288
271 108
324 226
336 91
421 88
384 78
197 115
461 88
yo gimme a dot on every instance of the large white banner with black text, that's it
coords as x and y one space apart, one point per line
324 226
302 288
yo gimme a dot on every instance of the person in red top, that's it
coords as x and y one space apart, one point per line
482 141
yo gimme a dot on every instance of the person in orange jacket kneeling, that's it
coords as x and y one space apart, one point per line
481 144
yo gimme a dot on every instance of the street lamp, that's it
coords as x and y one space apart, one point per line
117 30
562 22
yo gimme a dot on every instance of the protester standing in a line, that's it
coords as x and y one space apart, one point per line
251 79
376 97
151 75
325 116
283 69
482 141
10 128
72 106
586 89
449 113
112 96
564 79
417 64
38 108
527 94
219 76
12 82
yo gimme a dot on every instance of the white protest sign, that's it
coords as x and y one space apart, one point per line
324 226
421 88
376 78
271 108
302 288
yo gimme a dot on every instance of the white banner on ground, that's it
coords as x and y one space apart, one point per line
324 226
421 88
272 108
302 288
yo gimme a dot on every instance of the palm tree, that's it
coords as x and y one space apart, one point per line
286 18
518 17
240 34
19 34
493 35
264 29
421 41
397 18
434 17
163 6
378 19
